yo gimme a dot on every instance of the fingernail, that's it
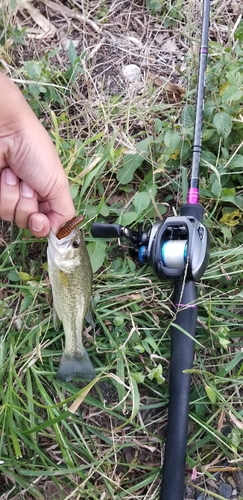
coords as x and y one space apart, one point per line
10 177
37 226
26 190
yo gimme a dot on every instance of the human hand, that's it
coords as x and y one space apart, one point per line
34 189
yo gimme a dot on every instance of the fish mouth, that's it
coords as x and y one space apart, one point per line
63 243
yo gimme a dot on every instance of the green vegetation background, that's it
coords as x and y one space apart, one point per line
127 159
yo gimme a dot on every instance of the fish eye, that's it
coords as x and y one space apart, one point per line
75 244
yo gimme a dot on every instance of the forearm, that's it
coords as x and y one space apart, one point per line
14 110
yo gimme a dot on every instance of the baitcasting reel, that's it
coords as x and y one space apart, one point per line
170 247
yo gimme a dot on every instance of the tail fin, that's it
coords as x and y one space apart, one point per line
76 365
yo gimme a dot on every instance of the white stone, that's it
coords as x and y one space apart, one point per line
131 73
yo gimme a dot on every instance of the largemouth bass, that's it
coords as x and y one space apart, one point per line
71 277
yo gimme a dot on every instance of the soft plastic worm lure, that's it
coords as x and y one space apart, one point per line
67 228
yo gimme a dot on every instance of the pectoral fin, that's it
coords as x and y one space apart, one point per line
89 316
56 320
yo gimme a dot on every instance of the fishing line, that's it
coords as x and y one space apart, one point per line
174 253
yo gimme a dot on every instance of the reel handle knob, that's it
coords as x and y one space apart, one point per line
107 231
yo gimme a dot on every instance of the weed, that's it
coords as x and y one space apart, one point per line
126 156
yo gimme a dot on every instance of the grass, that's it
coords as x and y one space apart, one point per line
61 440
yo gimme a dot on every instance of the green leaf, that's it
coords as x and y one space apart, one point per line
15 441
94 170
13 275
135 398
224 342
231 93
216 188
236 163
209 108
158 125
207 134
143 146
236 437
157 374
225 153
33 69
226 232
74 189
155 5
34 89
128 218
97 252
235 78
228 367
228 194
139 348
151 342
72 53
138 376
212 396
188 116
239 32
208 158
28 298
239 201
130 164
223 123
105 210
141 201
119 321
24 276
172 141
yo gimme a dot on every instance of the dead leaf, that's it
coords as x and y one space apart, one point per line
82 395
156 79
221 421
129 454
47 29
169 46
3 293
147 447
71 13
159 39
174 92
89 167
236 7
52 492
238 423
132 296
121 197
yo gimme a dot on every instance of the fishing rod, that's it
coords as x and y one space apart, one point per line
177 249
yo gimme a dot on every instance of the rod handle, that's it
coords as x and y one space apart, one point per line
182 353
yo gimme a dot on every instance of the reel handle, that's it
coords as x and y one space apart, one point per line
107 231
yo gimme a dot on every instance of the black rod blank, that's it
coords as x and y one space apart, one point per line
182 352
196 150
